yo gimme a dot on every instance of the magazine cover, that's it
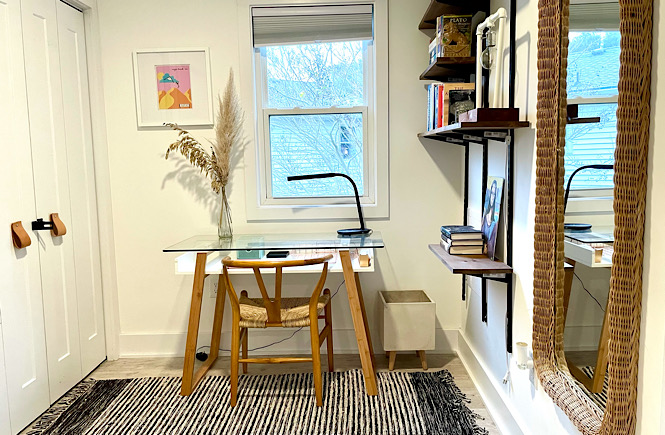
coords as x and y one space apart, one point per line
491 213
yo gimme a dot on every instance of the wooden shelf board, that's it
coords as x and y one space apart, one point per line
475 129
469 264
591 120
446 67
437 8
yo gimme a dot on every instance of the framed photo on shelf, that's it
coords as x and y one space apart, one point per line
491 213
173 85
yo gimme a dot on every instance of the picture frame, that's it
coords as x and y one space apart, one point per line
173 85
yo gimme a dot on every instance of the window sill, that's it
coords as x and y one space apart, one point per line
590 205
315 212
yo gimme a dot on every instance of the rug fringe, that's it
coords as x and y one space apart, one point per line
46 420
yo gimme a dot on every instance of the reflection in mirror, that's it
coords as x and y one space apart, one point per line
592 92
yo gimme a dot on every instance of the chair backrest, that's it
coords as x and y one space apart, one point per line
273 305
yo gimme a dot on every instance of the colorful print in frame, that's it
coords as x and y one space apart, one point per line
173 86
174 90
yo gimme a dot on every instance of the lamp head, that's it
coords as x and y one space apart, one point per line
347 231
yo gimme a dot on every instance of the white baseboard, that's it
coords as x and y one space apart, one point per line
501 412
173 344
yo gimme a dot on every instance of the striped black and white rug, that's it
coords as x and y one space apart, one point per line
408 403
599 399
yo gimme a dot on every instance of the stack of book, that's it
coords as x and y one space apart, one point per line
462 240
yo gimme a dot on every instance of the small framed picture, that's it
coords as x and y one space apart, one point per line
173 85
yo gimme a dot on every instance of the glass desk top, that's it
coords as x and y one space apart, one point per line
599 234
246 242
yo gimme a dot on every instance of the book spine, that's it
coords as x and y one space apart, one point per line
439 119
436 106
429 99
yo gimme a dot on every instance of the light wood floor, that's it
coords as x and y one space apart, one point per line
145 367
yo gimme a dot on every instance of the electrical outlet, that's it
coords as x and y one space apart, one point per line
213 288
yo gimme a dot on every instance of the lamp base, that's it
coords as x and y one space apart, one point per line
577 227
353 231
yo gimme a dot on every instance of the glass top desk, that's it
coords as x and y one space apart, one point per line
198 249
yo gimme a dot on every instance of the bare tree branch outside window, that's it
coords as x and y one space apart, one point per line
315 76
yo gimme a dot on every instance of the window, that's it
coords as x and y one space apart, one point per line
315 109
592 82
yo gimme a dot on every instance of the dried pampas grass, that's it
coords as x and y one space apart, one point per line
228 137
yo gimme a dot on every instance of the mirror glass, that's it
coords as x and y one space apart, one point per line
592 79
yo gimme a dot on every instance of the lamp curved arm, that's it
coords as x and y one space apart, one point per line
570 179
331 175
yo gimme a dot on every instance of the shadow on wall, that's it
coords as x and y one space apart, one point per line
198 185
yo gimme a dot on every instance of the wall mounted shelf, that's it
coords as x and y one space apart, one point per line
477 132
467 133
469 264
572 112
449 67
437 8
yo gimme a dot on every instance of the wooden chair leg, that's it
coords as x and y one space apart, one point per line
316 358
243 342
235 350
391 361
423 359
329 338
244 348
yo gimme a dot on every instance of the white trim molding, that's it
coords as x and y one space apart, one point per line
172 344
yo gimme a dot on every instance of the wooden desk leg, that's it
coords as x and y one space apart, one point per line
193 327
359 323
568 274
216 333
362 306
601 359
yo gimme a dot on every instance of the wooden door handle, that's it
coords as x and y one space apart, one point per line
59 228
20 237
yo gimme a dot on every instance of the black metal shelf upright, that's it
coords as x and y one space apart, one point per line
465 134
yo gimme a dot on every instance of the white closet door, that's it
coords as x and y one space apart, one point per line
49 163
20 286
5 427
84 224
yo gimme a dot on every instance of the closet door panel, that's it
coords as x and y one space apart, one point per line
21 309
49 157
84 226
5 427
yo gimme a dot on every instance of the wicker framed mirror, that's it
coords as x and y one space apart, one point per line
630 175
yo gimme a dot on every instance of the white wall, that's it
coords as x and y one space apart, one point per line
651 388
157 202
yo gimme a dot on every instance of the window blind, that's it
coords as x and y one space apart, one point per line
309 24
594 16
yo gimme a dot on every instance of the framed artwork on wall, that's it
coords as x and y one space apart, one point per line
173 85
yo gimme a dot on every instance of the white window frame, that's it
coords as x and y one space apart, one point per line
591 201
259 205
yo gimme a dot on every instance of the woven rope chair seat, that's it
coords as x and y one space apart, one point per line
294 311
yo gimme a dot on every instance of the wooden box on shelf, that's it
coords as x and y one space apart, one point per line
486 114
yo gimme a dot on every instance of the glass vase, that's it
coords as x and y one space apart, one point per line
225 228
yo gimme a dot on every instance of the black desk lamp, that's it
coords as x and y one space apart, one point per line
347 231
579 227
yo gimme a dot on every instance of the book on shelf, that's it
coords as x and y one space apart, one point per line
462 250
462 242
461 232
445 101
454 35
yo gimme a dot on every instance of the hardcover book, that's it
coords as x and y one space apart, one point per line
466 232
462 250
462 242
